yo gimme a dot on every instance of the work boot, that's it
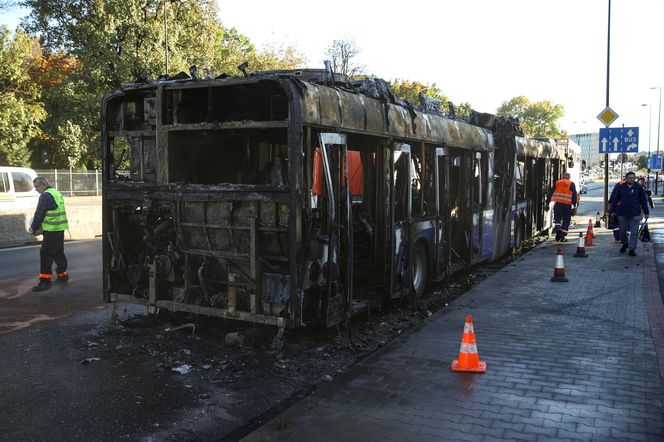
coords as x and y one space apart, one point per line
557 236
63 278
623 248
563 238
632 252
44 284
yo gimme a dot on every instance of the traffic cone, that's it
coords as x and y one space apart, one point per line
590 233
469 359
598 223
580 248
559 270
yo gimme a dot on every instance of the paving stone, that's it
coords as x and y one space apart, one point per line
574 361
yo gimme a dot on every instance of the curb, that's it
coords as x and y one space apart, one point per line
653 299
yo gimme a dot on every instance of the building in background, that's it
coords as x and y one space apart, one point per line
589 148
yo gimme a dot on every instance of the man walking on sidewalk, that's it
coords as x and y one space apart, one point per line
627 202
564 195
50 217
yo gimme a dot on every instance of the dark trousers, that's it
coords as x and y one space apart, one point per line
53 249
562 216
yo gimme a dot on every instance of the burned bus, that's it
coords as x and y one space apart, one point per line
298 198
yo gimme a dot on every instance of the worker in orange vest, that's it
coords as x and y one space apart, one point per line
565 196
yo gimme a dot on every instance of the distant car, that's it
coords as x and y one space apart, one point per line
16 190
583 188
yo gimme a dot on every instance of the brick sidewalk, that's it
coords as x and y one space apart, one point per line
566 361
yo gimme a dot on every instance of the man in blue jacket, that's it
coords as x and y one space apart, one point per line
627 201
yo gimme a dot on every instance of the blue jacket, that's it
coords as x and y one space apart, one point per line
46 203
626 201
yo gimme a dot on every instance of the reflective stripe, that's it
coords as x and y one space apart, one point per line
563 192
50 213
468 327
55 223
468 349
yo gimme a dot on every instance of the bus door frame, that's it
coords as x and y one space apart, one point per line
476 207
442 214
467 159
406 223
340 214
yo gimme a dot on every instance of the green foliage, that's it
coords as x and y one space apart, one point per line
411 90
642 161
107 43
70 143
539 119
20 108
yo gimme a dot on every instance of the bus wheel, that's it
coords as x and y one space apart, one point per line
518 234
420 268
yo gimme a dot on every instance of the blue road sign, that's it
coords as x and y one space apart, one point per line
619 139
655 163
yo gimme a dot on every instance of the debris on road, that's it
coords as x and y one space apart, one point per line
182 369
88 361
234 338
180 327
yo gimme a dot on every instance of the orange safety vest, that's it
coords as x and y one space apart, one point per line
563 192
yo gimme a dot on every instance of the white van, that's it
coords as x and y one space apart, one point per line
16 189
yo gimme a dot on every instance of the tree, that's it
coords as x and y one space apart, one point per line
21 110
539 119
642 161
6 5
115 41
343 55
411 90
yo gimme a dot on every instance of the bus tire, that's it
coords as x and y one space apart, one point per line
420 268
518 232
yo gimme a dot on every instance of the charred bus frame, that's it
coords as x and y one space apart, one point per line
282 199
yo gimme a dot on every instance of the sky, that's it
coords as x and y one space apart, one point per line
485 51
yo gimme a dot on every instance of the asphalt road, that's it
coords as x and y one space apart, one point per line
48 391
20 307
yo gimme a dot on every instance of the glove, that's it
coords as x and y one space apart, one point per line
546 208
573 211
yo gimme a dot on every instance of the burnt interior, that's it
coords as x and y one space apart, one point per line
228 207
257 157
261 101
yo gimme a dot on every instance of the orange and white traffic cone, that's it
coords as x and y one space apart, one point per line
598 223
580 248
559 270
469 359
590 232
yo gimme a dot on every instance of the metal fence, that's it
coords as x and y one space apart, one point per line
72 182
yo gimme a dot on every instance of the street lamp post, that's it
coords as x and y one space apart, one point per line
659 122
649 141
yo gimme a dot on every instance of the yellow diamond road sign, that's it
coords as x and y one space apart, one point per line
607 116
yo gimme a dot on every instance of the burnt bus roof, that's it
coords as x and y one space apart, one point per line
538 148
343 106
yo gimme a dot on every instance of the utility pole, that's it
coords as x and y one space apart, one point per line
649 141
606 155
166 33
659 122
